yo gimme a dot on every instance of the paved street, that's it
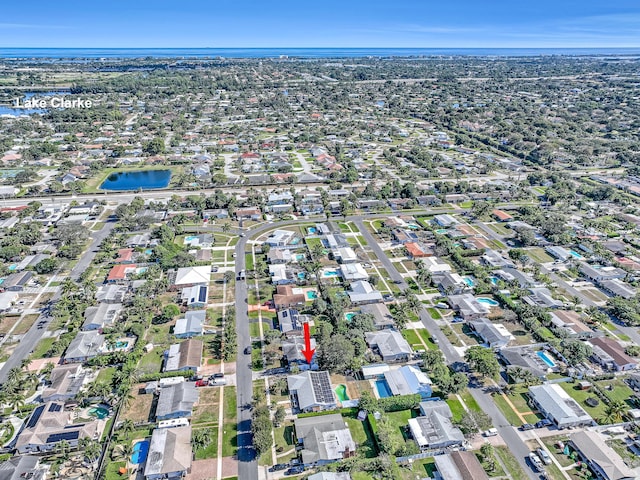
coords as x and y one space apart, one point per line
35 334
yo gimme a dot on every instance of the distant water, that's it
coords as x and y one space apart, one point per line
142 179
300 52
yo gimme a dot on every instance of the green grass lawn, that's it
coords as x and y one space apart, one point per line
424 334
211 450
456 407
43 347
412 337
620 391
230 427
362 435
435 314
249 260
539 255
507 411
105 375
469 401
580 396
151 362
511 463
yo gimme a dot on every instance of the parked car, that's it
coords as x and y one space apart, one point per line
545 422
527 426
544 456
278 466
295 470
202 383
218 375
247 351
536 463
492 432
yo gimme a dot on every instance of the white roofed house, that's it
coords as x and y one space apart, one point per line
434 428
556 405
390 345
600 457
101 316
345 255
408 380
177 401
189 276
324 439
282 239
467 306
542 296
281 274
311 391
191 325
362 292
495 335
111 293
195 296
169 454
353 271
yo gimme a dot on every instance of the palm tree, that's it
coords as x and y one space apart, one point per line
68 287
613 412
92 450
127 426
123 452
201 438
15 375
226 226
63 448
16 402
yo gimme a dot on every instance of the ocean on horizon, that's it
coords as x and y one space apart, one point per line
60 53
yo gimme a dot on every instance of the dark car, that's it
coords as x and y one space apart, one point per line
218 375
295 470
545 422
247 351
278 466
527 426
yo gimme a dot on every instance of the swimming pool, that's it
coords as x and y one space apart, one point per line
122 344
330 273
301 275
493 280
311 295
469 281
140 451
442 230
349 316
13 267
295 241
487 301
98 412
383 389
300 257
311 230
190 238
545 358
341 393
576 255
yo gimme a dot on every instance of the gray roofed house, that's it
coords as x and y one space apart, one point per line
603 459
560 253
111 293
390 344
177 401
292 351
408 380
601 273
571 323
195 296
353 271
556 405
311 391
450 283
611 355
434 429
139 240
382 317
50 424
191 324
101 316
169 453
494 334
17 281
277 256
66 381
542 297
84 346
495 259
362 292
324 439
336 240
23 467
524 357
514 275
290 321
467 306
617 288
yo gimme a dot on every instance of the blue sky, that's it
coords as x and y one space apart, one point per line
328 23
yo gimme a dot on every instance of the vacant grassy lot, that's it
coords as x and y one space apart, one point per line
537 254
139 409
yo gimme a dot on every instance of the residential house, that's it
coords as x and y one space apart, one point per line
345 255
277 256
49 424
288 296
335 241
119 273
382 317
571 323
434 430
450 283
542 297
609 354
282 239
177 401
501 215
417 250
191 325
495 335
324 439
617 288
434 265
189 276
556 405
524 358
141 240
598 273
493 258
467 306
459 465
362 292
524 280
111 293
65 382
281 274
23 467
195 296
125 255
84 346
353 271
16 282
408 380
185 356
291 321
249 213
601 458
311 391
169 454
101 316
390 345
292 352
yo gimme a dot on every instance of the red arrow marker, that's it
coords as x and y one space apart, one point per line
307 352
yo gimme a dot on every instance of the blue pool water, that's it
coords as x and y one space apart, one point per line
142 179
494 280
543 356
300 257
576 255
330 273
301 275
442 230
312 230
295 241
383 389
148 251
12 267
311 295
469 281
487 301
349 316
140 451
190 238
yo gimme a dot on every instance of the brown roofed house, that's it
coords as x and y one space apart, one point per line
287 296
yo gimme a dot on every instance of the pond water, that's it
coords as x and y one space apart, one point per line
141 179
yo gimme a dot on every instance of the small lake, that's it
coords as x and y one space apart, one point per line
136 180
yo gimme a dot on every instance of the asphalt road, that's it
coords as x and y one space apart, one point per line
508 433
34 335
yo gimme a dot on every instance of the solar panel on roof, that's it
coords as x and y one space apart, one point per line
202 295
35 416
55 407
58 437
